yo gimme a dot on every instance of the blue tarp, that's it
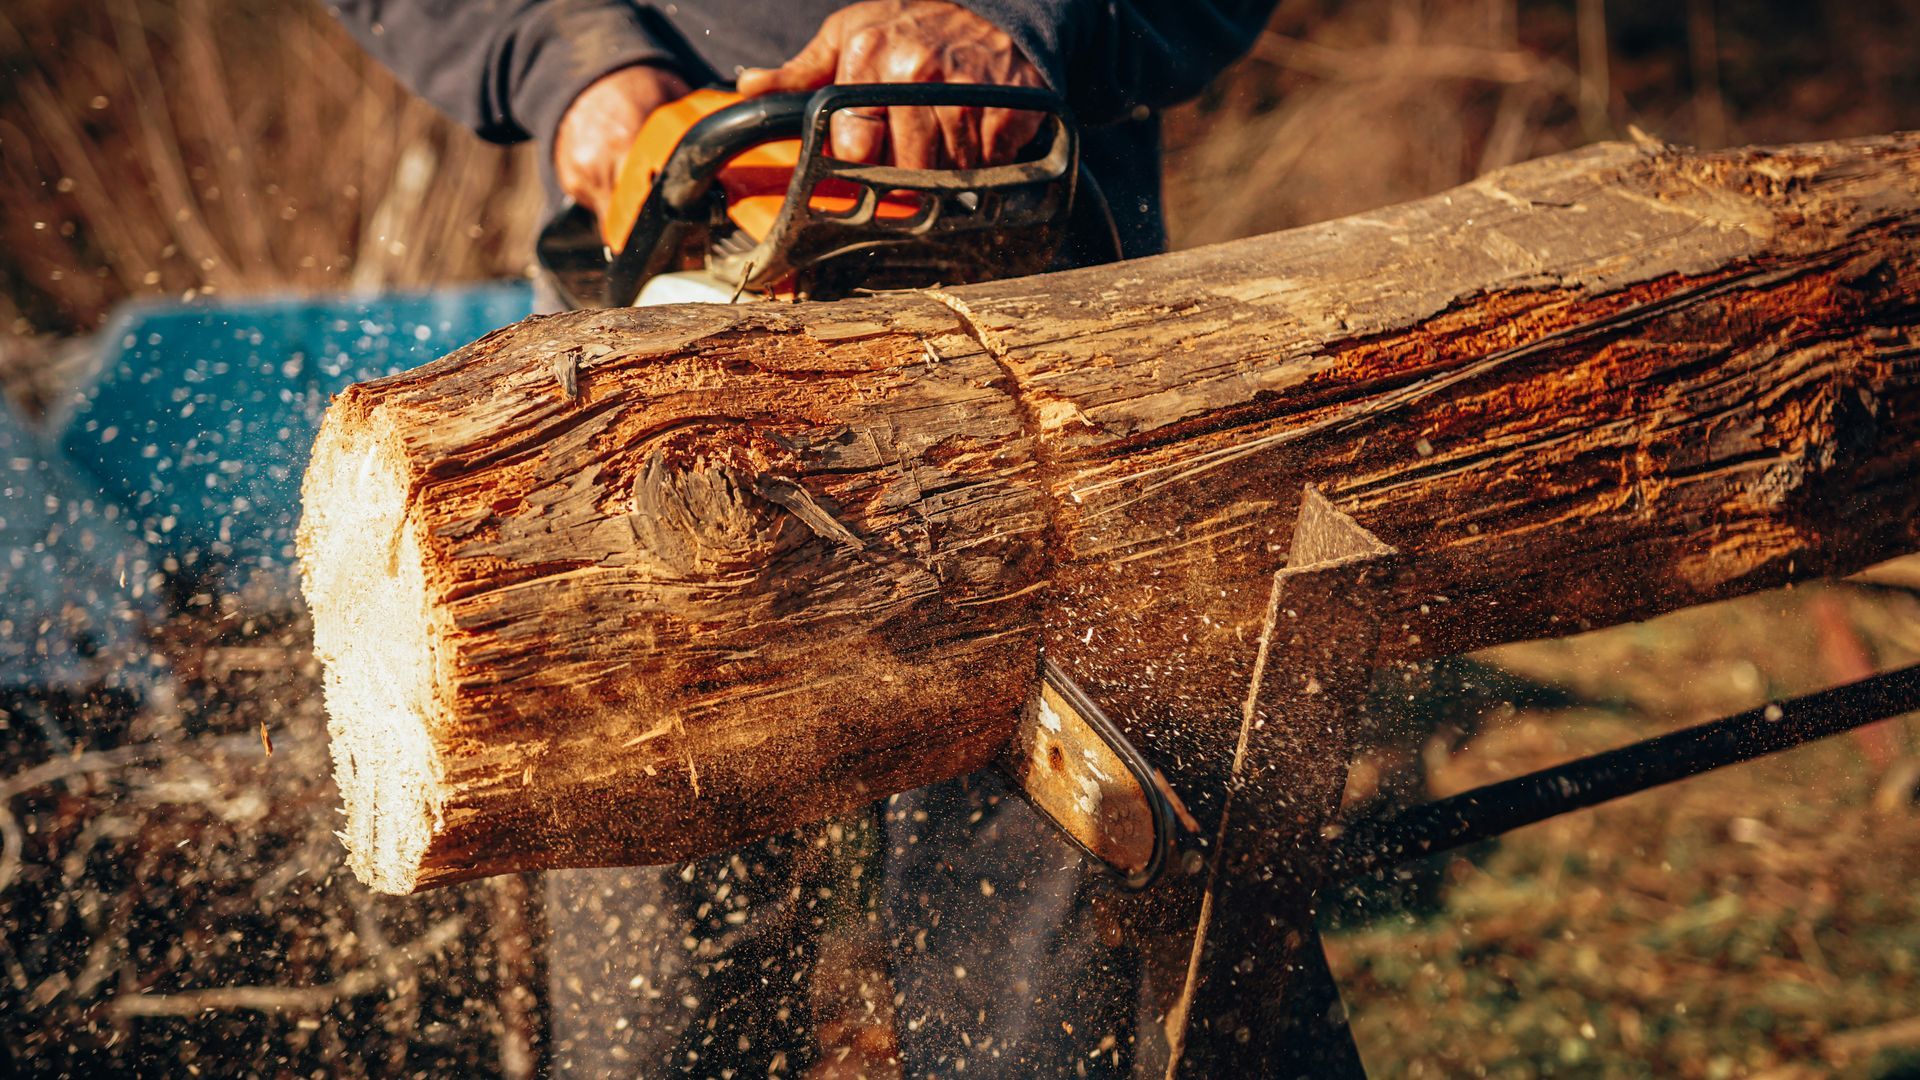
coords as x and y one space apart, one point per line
74 581
204 413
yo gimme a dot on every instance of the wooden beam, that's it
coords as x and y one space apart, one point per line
626 586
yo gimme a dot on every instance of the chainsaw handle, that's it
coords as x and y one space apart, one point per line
706 148
708 145
680 202
971 224
831 99
1061 157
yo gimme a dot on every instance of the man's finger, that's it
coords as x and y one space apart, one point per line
599 128
811 68
1003 132
960 135
858 134
915 136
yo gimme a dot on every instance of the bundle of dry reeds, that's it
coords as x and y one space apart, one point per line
215 146
1347 105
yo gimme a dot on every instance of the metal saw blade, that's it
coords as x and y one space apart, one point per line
1079 770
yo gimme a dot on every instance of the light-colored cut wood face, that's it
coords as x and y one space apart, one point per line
363 574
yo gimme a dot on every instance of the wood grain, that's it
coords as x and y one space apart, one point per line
695 575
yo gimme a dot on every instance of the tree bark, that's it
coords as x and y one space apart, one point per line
626 586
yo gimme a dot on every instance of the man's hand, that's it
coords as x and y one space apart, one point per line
898 41
600 126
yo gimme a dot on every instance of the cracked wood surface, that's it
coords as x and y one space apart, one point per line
698 574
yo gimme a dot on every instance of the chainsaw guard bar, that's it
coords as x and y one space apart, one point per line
708 145
1058 744
589 275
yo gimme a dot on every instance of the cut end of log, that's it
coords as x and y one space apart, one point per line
377 649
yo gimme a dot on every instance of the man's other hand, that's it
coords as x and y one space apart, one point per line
601 125
901 41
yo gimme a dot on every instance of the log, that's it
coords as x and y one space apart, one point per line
627 586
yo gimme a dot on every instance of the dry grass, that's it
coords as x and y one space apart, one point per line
173 900
1756 921
221 146
1348 106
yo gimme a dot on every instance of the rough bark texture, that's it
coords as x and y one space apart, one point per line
693 575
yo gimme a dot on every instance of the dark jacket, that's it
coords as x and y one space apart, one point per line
508 69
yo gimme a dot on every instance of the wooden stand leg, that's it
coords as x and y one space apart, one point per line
1259 999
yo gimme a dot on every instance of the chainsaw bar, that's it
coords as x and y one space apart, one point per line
1079 770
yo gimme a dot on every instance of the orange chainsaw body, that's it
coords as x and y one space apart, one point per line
746 192
755 181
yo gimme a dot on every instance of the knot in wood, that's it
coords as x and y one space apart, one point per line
696 510
1832 433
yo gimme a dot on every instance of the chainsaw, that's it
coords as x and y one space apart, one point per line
723 198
